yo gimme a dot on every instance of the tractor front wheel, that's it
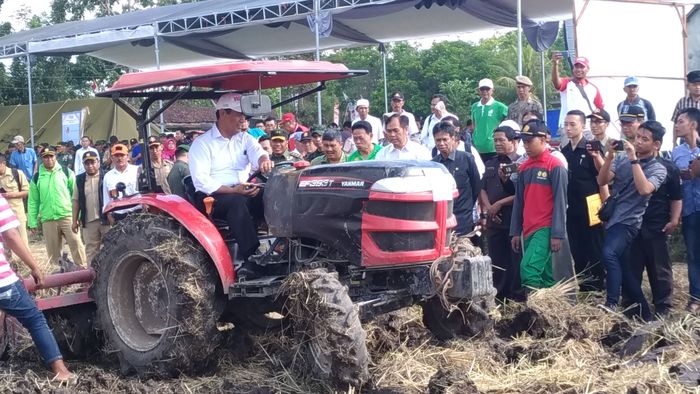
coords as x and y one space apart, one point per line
156 296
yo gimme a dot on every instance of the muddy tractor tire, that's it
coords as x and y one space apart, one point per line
468 320
157 298
328 326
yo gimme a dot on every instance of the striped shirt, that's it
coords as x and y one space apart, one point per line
8 221
685 102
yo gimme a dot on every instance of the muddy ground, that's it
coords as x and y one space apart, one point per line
555 343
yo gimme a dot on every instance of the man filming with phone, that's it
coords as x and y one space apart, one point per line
220 162
637 174
576 92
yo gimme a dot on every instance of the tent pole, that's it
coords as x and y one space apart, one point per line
520 37
386 94
157 50
317 6
544 88
29 91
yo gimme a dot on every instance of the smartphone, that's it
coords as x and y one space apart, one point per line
618 145
562 53
509 169
594 145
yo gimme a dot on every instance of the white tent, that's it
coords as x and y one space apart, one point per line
216 29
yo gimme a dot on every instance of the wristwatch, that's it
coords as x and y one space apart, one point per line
635 161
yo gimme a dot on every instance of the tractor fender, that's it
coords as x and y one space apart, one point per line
201 228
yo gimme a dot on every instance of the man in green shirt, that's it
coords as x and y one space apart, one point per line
487 114
362 137
180 170
50 202
332 142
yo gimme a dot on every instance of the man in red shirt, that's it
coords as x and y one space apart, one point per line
539 208
289 124
576 92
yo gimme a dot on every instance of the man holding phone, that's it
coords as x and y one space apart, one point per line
439 111
576 92
586 241
637 175
496 201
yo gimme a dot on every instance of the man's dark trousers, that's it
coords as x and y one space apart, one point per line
586 243
241 213
650 251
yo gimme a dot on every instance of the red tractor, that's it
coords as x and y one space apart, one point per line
343 243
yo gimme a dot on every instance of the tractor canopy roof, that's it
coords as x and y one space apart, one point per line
241 76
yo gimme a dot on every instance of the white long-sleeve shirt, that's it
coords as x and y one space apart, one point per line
78 163
217 161
410 151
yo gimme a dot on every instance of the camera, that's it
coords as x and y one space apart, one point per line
509 169
618 145
594 145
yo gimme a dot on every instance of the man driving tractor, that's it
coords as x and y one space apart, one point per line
220 162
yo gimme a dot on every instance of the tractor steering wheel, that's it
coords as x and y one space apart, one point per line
263 178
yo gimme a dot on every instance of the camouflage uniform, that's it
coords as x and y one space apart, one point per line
518 108
286 156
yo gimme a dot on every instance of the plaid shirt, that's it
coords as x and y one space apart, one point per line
685 102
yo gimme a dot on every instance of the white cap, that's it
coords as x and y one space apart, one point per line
229 101
486 83
362 103
17 139
510 123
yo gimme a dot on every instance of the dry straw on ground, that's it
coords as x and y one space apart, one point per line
549 345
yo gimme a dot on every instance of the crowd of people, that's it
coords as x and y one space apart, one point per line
608 205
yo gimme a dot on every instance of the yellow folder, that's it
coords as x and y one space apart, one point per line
594 203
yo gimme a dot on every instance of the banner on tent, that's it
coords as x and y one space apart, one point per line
71 125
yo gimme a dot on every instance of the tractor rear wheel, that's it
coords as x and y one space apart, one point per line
328 326
156 295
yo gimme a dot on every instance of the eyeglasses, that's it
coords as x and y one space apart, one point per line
484 89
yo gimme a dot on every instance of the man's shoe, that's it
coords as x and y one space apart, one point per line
610 308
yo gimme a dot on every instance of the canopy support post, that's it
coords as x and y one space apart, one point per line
29 91
520 37
157 51
544 88
317 6
386 93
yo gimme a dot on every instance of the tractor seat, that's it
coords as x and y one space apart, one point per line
191 194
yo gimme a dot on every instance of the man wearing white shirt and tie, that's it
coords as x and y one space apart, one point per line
400 146
219 164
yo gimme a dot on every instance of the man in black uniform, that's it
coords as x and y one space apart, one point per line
463 168
586 241
497 194
650 248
